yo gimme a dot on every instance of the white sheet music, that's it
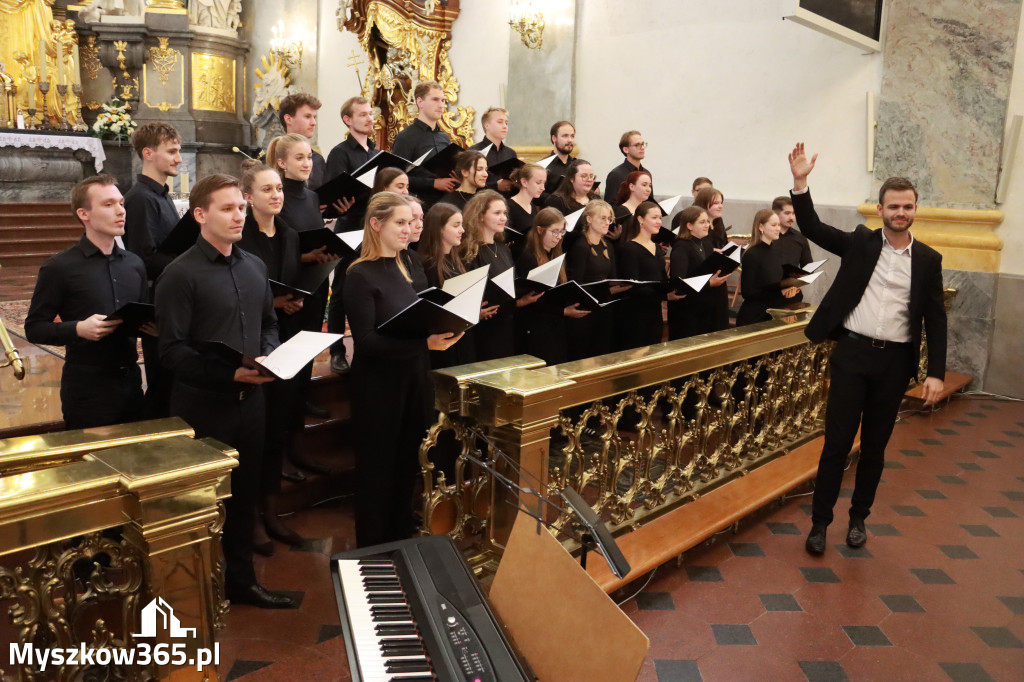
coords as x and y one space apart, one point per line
487 150
422 158
572 219
456 285
547 274
811 267
697 283
544 163
507 281
295 353
353 238
467 304
668 204
807 279
368 177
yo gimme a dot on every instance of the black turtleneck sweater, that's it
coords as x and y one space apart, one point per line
301 208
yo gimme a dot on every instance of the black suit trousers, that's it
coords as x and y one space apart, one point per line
866 388
238 422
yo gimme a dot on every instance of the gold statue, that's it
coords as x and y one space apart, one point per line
24 24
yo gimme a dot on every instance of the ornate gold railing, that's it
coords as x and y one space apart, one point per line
94 525
637 433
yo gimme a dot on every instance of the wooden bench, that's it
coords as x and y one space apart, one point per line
686 527
953 383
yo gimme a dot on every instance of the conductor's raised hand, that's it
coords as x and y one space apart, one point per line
443 341
800 166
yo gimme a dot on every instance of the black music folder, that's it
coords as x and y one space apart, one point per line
183 237
499 290
424 317
134 314
725 261
338 244
541 279
440 164
310 277
795 276
285 361
504 169
344 186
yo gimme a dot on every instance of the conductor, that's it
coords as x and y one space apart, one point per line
887 285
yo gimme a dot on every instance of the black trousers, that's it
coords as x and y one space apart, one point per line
235 418
866 388
93 395
284 418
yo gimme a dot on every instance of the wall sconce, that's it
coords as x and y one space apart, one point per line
289 52
528 23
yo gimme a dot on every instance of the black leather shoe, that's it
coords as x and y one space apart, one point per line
259 596
856 536
816 540
339 365
282 533
290 472
264 548
314 410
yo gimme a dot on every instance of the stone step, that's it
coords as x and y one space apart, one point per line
36 208
35 258
50 245
65 229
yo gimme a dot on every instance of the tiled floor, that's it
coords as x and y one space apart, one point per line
937 593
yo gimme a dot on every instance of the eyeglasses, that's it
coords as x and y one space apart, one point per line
557 233
588 176
640 145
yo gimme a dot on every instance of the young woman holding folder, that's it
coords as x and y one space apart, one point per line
694 313
761 279
392 397
529 179
591 258
484 220
712 200
639 317
471 167
541 328
634 190
270 239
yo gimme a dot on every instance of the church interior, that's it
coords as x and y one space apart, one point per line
695 457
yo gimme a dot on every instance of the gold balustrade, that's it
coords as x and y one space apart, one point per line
637 433
94 524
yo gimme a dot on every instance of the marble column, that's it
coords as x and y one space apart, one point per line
941 120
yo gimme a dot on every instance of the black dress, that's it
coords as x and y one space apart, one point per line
414 264
520 223
496 337
301 211
759 284
540 328
280 254
716 239
456 198
695 314
585 262
639 317
463 352
391 402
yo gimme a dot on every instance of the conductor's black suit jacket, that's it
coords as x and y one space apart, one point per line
860 250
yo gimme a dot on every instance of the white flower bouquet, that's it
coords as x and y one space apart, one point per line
114 122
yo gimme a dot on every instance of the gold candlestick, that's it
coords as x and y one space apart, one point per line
62 90
31 123
80 124
44 87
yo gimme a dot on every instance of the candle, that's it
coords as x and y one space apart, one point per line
76 73
31 95
170 183
184 182
42 60
61 76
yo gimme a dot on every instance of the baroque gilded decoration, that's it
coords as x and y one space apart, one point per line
406 43
163 59
213 82
273 86
90 54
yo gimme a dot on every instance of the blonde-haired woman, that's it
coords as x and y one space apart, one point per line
761 279
392 397
484 220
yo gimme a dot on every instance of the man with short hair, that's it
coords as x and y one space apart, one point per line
424 136
298 115
791 246
349 154
215 292
150 217
495 124
887 284
634 149
101 383
563 140
699 184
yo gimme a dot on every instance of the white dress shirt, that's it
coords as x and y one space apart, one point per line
884 310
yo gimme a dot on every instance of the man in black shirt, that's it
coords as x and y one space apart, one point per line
495 123
150 217
633 147
792 246
215 293
356 149
101 383
298 115
563 139
424 136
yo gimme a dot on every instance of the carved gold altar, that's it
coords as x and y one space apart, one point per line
407 42
637 433
94 524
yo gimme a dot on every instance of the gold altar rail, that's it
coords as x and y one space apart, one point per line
113 519
637 433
